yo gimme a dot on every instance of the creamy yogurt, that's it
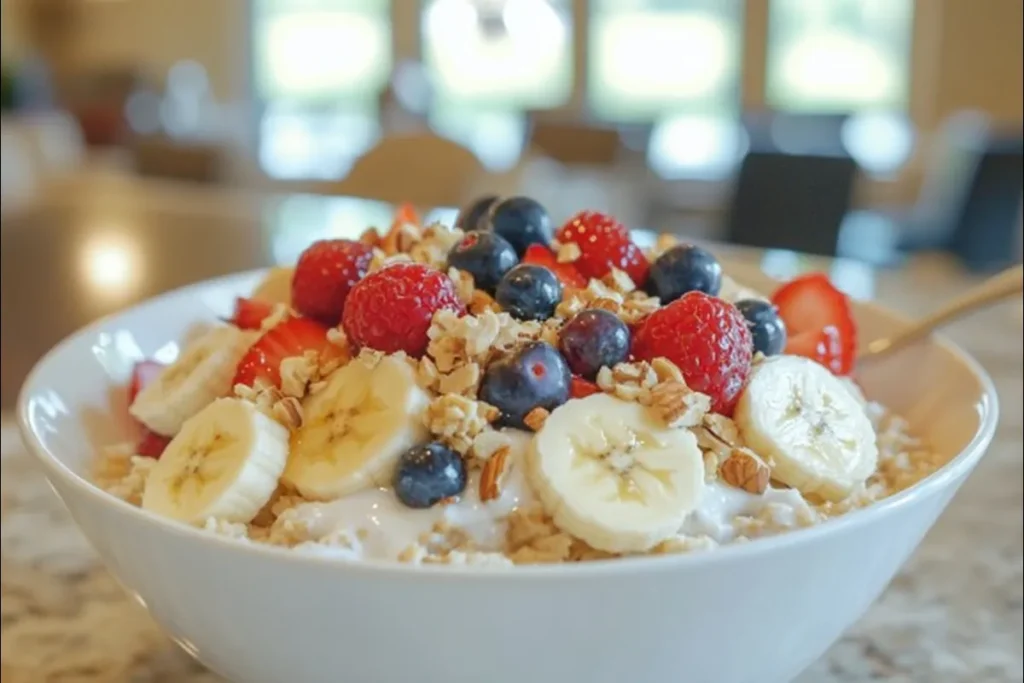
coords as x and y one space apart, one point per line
720 504
380 527
384 527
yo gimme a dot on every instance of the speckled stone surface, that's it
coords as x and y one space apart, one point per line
952 616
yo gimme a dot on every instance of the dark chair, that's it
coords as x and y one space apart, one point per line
987 221
790 201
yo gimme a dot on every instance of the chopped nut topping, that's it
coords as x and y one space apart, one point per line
619 281
483 338
288 411
744 470
678 405
434 244
464 286
723 428
482 302
370 237
493 473
277 315
457 420
536 418
296 374
463 380
666 370
568 252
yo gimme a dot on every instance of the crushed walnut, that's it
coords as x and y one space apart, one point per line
272 402
628 381
745 470
678 405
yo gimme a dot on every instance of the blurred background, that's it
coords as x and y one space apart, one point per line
136 130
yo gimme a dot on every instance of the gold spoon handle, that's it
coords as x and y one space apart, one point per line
1006 284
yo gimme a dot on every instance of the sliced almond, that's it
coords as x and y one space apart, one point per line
536 418
493 473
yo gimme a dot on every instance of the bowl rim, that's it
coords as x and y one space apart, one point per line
957 467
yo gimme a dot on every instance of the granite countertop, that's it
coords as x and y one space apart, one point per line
953 615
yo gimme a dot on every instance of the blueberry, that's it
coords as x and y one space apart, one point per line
536 375
592 339
522 221
428 474
529 292
766 327
484 255
473 216
683 269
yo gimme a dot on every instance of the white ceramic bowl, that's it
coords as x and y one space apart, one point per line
758 612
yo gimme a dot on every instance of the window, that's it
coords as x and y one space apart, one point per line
513 54
649 58
839 55
319 67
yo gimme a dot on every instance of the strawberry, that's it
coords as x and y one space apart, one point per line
250 313
292 337
604 244
581 388
151 445
143 373
567 273
819 321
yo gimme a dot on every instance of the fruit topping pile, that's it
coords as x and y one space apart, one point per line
400 361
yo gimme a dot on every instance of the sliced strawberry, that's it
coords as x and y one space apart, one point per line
826 347
819 321
152 445
581 388
292 337
249 313
567 273
143 373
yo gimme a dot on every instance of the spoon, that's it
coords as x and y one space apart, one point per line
1006 284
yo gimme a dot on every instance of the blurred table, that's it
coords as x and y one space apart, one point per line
953 615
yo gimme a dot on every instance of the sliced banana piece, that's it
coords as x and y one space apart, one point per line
355 428
802 418
224 463
609 473
203 372
276 286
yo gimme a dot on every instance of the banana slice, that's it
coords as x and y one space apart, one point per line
224 463
355 428
799 415
609 473
276 286
203 372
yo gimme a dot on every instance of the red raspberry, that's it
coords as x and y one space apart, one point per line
708 339
604 244
390 310
325 273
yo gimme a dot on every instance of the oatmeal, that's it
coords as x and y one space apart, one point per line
500 394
